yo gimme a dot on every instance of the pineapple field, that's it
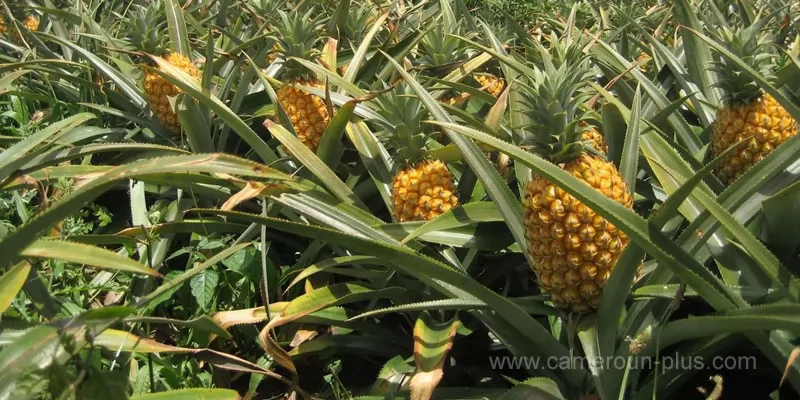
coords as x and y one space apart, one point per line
399 199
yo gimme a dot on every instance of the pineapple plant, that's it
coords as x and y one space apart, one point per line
148 34
298 36
442 53
748 113
422 187
574 250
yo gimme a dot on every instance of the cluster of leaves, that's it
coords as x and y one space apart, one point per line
232 261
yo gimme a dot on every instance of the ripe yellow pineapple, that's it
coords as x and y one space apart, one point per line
298 36
148 34
422 188
158 91
491 83
748 113
574 250
30 23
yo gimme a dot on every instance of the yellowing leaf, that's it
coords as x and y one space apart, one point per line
432 342
116 340
250 191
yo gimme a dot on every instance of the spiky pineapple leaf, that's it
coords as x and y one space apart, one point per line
322 172
194 124
178 35
757 318
531 307
11 283
534 388
433 341
191 394
361 53
14 157
84 254
94 186
782 214
331 263
120 80
463 215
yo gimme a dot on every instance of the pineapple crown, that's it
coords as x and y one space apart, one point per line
402 127
146 27
439 46
298 36
556 93
357 23
753 48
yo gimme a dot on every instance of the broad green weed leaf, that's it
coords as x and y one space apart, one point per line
203 287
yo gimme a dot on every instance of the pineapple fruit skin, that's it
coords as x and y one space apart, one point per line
423 191
764 121
493 84
595 139
158 90
574 249
308 112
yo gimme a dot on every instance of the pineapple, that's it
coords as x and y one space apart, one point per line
148 33
30 23
574 250
747 113
298 36
422 187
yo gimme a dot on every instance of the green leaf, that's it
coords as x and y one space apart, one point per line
24 235
330 145
7 81
782 216
338 22
325 175
534 388
466 214
189 274
760 318
203 287
17 155
194 124
36 350
11 283
178 37
84 254
191 394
